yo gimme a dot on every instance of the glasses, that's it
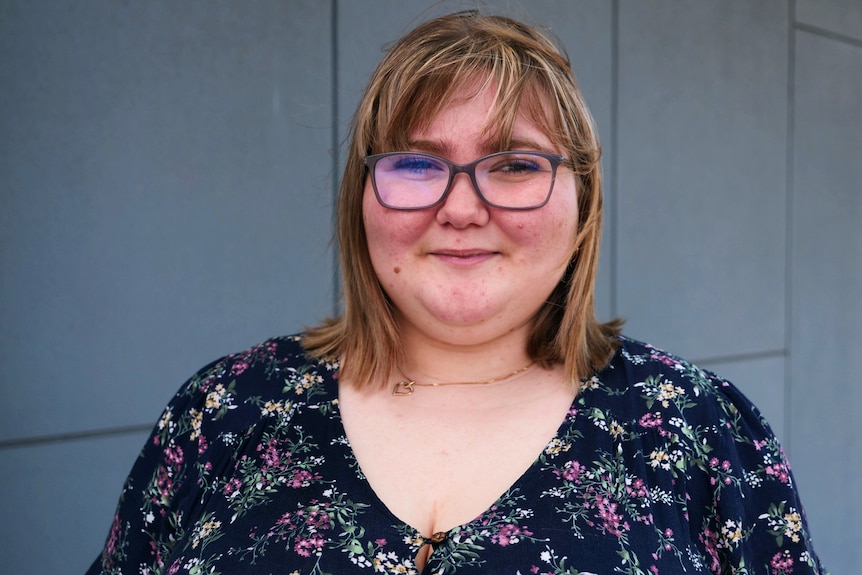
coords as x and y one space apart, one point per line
516 180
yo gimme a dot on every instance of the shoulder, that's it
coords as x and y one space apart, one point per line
275 366
655 389
236 390
686 431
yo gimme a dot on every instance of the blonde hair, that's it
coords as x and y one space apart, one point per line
415 80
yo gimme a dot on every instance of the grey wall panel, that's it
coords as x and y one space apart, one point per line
58 501
762 380
842 17
827 292
701 182
166 179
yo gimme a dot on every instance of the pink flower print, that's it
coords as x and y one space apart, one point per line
271 457
174 456
612 522
779 471
782 563
305 547
508 535
111 546
664 359
238 367
302 547
202 444
637 488
650 420
164 482
318 519
154 551
232 486
286 521
302 478
572 471
709 539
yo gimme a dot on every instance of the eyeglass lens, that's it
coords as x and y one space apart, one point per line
413 180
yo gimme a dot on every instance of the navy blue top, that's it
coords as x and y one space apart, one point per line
658 468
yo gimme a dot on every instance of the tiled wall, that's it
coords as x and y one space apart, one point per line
167 172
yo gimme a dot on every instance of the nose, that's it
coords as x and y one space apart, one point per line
463 206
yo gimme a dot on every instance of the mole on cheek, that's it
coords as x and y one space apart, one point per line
396 269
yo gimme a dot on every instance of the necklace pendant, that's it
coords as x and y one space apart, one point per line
403 388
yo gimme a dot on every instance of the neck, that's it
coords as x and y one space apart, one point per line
407 385
433 361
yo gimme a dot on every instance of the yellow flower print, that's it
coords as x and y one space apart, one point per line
659 459
205 531
165 419
557 446
215 398
731 532
793 525
416 540
275 408
196 419
667 391
590 383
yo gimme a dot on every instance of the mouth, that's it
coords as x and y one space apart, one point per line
463 258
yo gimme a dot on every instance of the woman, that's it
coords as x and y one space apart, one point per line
466 413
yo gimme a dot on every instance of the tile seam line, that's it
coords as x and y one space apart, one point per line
336 154
789 215
734 357
824 33
51 439
613 215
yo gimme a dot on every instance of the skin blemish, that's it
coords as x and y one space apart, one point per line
396 269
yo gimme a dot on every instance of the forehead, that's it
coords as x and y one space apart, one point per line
470 120
499 114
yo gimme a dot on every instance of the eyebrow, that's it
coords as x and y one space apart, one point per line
443 149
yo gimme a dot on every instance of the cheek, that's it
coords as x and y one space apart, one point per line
545 234
391 234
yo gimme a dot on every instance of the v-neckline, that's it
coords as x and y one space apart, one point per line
377 503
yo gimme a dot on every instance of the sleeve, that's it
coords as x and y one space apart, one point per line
758 525
168 478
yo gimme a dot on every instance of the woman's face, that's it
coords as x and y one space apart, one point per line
462 272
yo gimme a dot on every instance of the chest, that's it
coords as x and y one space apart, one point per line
437 468
296 499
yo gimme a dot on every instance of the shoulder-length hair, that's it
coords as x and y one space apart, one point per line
414 81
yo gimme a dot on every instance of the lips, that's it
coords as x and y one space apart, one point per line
463 257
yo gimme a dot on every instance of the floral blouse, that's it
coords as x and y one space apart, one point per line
658 468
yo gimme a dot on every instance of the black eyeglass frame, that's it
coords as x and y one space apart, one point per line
555 160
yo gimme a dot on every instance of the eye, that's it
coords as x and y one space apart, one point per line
415 165
513 166
518 165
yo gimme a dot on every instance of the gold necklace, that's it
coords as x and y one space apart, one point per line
405 386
